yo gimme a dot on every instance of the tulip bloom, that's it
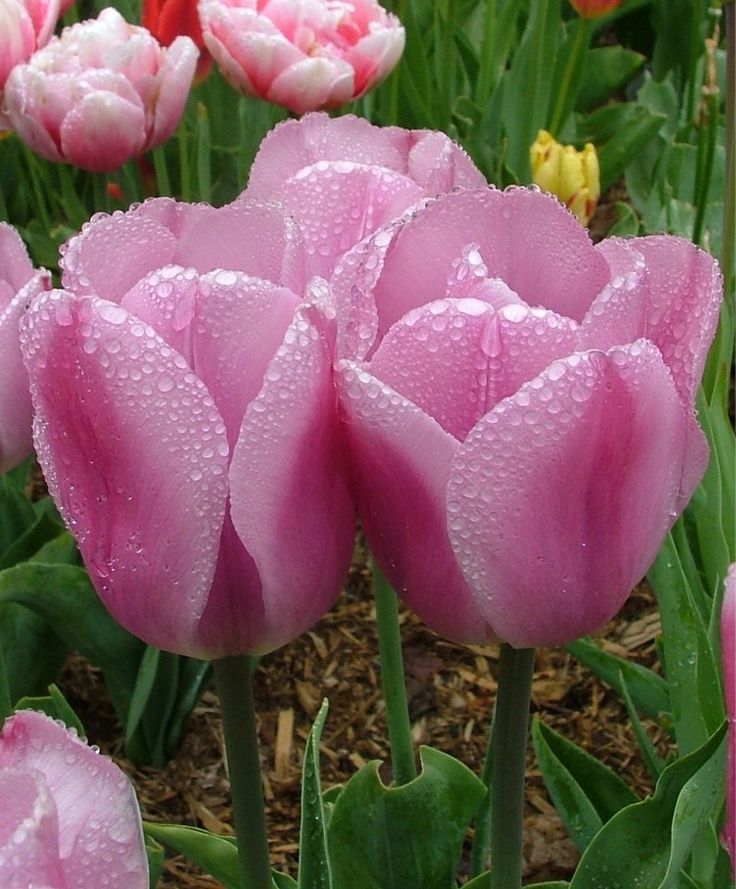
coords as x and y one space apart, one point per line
19 283
343 178
594 9
25 26
728 646
186 424
70 817
519 404
574 176
302 54
169 19
103 92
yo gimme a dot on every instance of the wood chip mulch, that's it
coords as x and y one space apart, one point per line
451 690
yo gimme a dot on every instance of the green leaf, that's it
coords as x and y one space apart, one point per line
689 663
64 597
217 855
33 654
624 145
527 85
282 881
155 855
16 513
44 529
648 690
606 70
585 792
652 761
56 706
314 862
627 223
483 881
406 837
644 842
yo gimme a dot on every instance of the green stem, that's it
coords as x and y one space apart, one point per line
392 678
729 210
482 835
234 678
163 183
571 74
508 763
395 78
484 83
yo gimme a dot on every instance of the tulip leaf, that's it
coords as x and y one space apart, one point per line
606 69
652 760
150 707
56 706
689 662
217 855
282 881
43 529
646 843
64 597
648 690
16 513
314 862
528 84
405 837
585 792
33 654
155 856
483 881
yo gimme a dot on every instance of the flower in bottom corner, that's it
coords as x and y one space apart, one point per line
70 819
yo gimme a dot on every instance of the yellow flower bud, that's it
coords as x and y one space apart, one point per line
572 175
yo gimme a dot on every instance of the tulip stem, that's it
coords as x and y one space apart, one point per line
508 764
6 705
234 678
392 679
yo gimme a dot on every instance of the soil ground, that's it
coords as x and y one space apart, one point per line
451 691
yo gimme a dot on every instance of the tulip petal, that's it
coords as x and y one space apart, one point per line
675 305
226 324
525 238
15 265
560 497
456 359
401 459
135 455
100 841
29 854
16 412
294 144
439 165
338 203
174 82
318 82
290 452
103 131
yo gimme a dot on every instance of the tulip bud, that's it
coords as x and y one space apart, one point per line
574 176
103 92
302 54
594 9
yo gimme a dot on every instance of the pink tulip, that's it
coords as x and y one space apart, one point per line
70 819
728 646
186 423
520 409
302 54
343 178
25 26
19 283
103 92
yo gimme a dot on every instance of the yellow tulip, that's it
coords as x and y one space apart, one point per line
572 175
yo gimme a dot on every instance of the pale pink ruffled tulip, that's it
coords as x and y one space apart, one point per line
100 94
186 423
19 283
343 178
520 409
728 646
302 54
70 819
25 26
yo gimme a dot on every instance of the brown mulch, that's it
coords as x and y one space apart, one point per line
451 691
